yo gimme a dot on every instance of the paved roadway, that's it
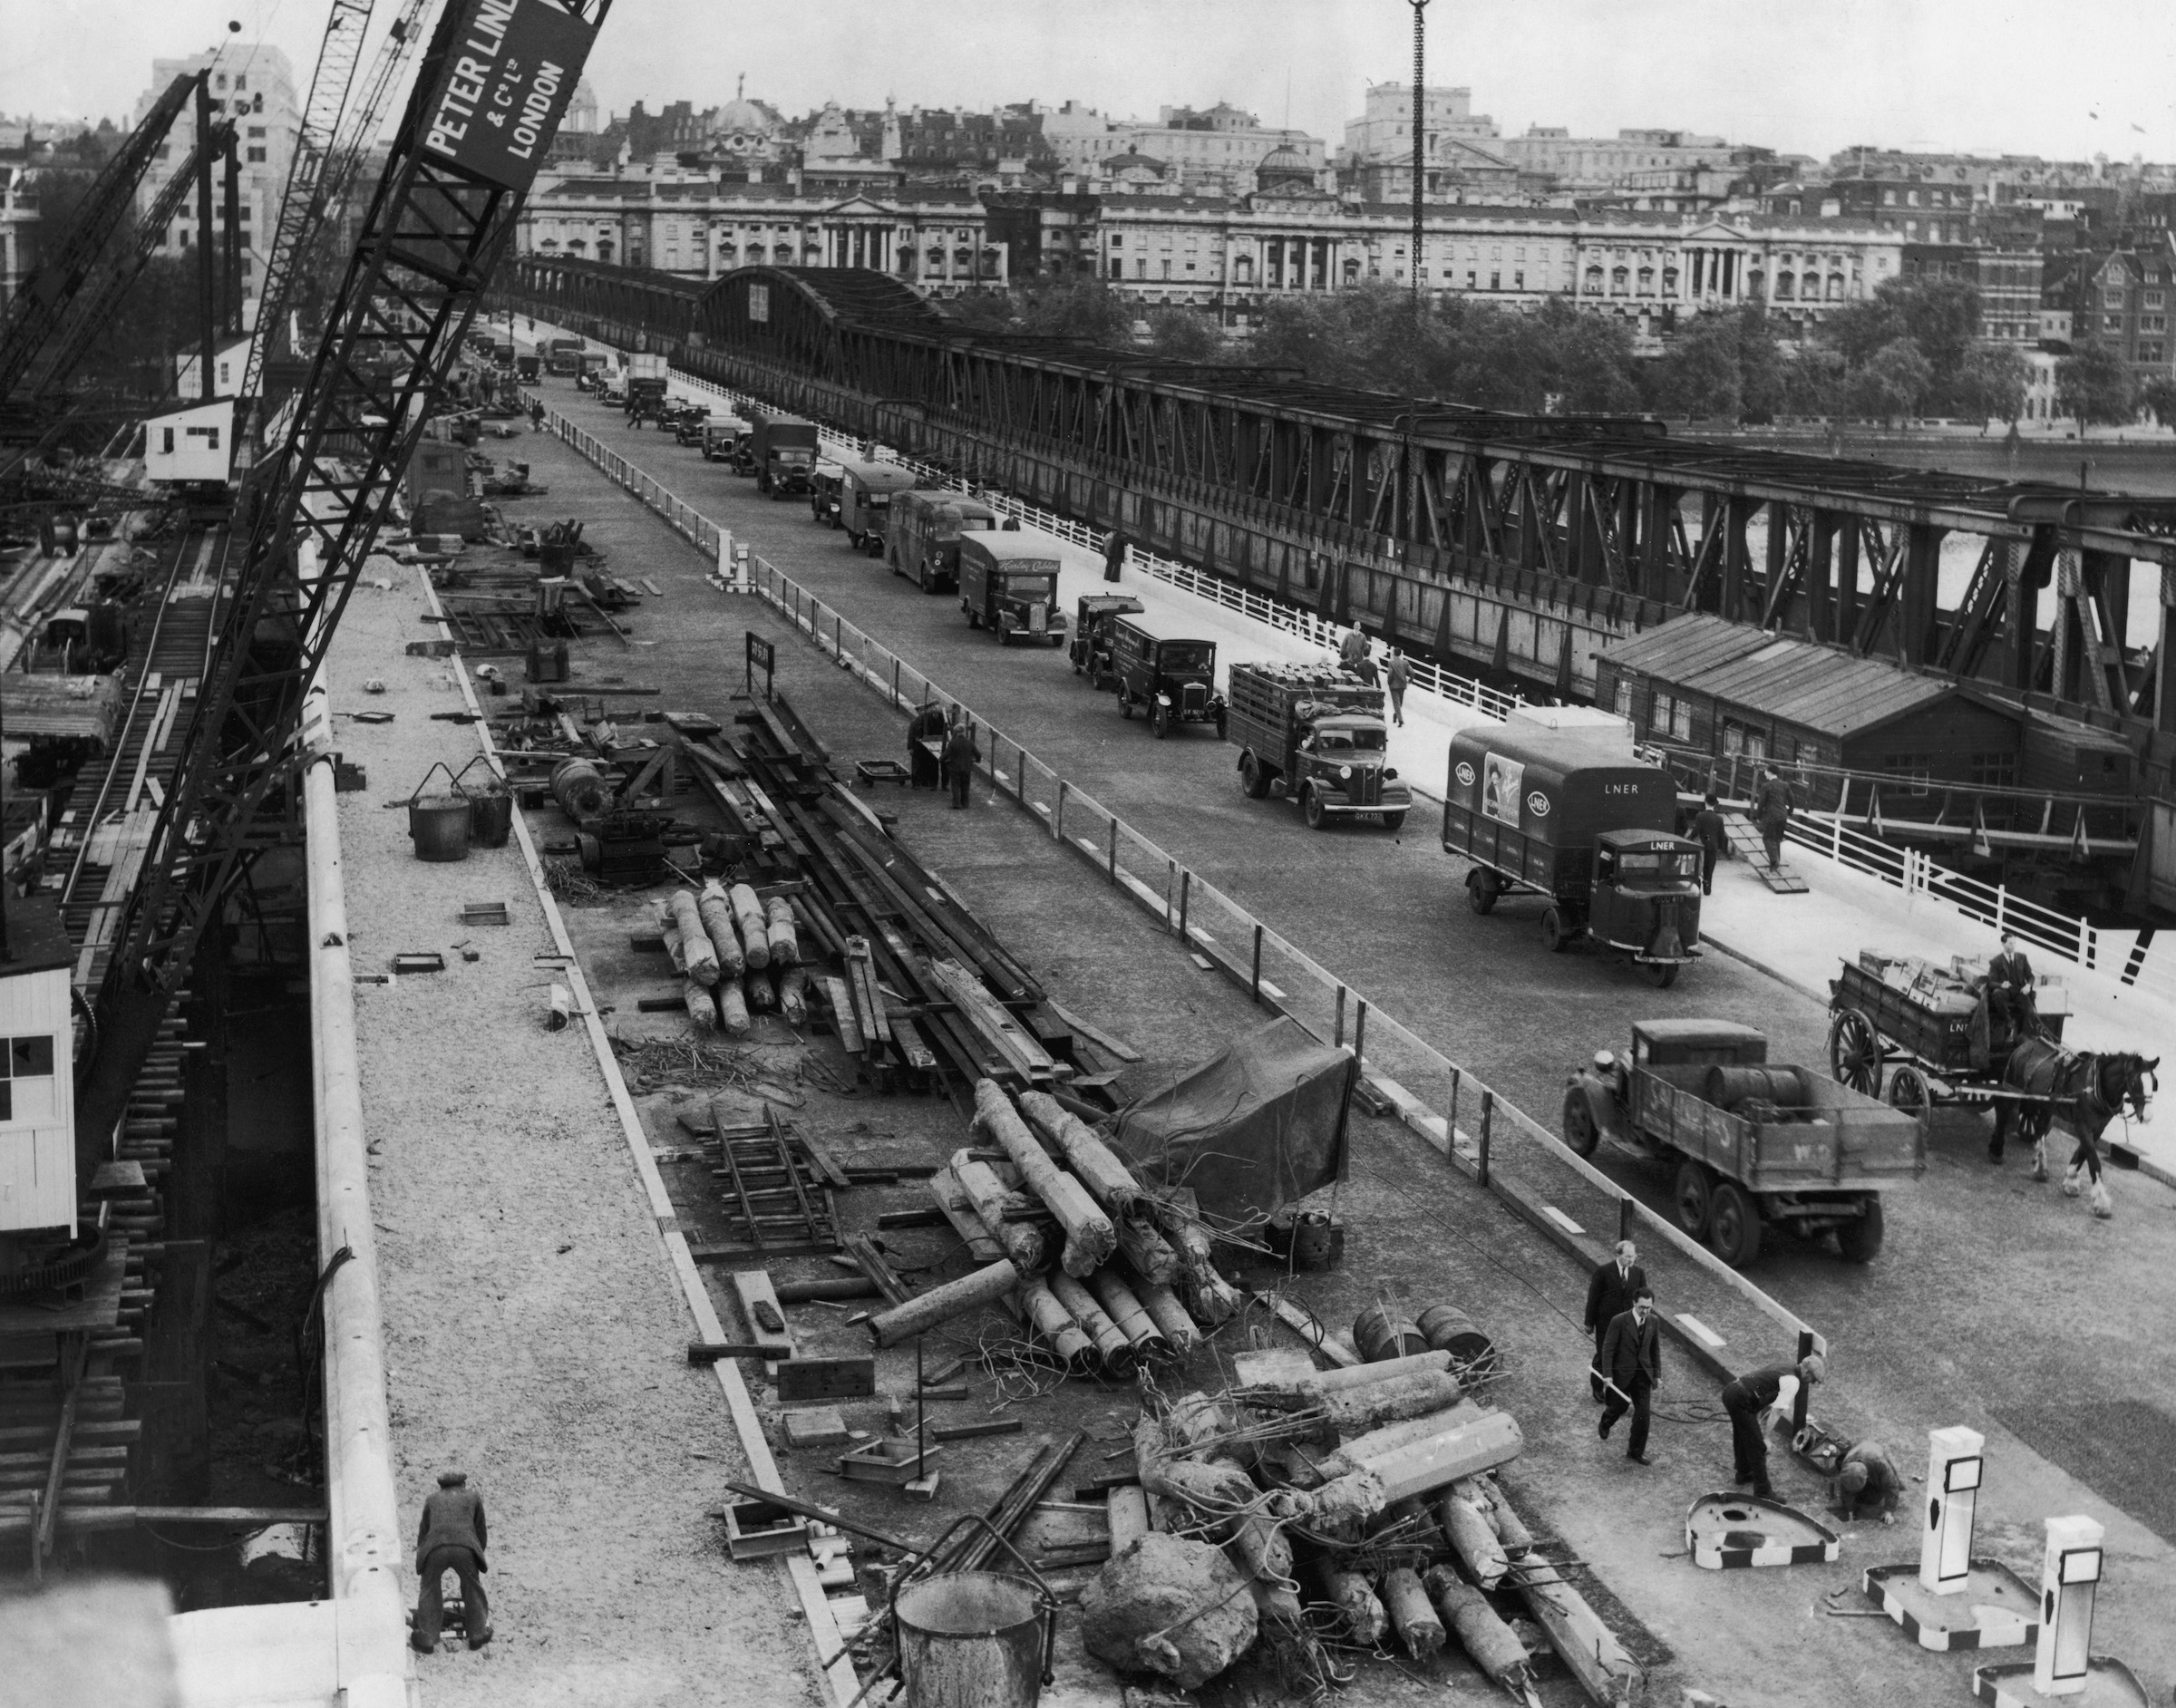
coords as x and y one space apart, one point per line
1996 1301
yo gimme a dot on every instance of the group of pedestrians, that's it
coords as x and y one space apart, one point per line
1626 1369
1392 675
942 751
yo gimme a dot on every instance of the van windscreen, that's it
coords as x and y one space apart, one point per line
976 525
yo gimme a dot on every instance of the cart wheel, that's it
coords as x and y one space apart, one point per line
1855 1052
1393 820
1695 1197
1481 890
1734 1228
1580 1131
1662 975
1253 779
1860 1241
1554 937
1908 1093
1310 807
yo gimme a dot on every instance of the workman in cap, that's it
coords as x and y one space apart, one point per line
1772 1389
1866 1484
450 1538
961 752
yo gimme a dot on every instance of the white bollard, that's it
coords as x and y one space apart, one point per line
1954 1466
2070 1573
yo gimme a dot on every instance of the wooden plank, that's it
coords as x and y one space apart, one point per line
1103 1040
842 1015
1310 1329
752 1287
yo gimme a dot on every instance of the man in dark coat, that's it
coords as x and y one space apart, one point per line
1609 1294
1776 1386
961 752
1114 555
1772 808
1632 1360
1396 673
1867 1484
2010 986
1708 831
450 1538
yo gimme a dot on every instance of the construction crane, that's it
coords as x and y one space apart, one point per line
45 302
101 297
493 86
302 204
351 150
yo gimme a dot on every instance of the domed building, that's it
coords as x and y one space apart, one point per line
1285 172
746 130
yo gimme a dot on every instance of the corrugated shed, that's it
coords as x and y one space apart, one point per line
1817 687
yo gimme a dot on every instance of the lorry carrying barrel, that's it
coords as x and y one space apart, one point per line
1008 584
1753 1144
1314 733
783 450
1555 802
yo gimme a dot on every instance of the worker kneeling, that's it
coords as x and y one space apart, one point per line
450 1538
1867 1485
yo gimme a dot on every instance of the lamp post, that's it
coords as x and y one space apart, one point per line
1420 8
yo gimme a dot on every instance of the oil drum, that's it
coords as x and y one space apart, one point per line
1380 1336
1785 1087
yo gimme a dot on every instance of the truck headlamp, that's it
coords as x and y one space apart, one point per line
1344 773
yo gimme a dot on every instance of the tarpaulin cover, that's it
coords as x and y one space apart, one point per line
1257 1125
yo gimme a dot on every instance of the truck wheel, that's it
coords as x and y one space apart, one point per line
1254 776
1555 938
1481 890
1159 719
1125 703
1393 820
1733 1230
1310 808
1692 1198
1580 1131
1860 1241
1662 975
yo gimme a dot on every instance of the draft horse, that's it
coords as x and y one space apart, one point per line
2091 1088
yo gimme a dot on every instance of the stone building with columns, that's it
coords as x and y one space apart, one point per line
934 237
1655 269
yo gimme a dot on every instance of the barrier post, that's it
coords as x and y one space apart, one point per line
1488 1122
1020 773
1360 1034
1451 1121
1057 815
1186 880
895 679
1337 1036
1254 988
1624 1216
1114 850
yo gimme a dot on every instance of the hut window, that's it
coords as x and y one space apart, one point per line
1994 770
1911 770
1673 717
1739 738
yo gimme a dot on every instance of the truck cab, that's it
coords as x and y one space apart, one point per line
922 534
1091 646
784 450
687 419
1574 815
721 439
1166 671
1009 585
528 369
589 369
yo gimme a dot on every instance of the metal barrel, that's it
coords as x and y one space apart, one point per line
970 1640
1381 1336
1449 1329
579 787
1785 1087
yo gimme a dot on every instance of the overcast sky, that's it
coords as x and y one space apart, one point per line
2067 81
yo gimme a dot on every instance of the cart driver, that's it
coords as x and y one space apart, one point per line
2010 990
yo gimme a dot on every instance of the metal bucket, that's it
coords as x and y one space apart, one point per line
1381 1336
970 1640
439 825
491 820
1449 1329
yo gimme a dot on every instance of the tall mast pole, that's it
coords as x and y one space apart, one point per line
1420 8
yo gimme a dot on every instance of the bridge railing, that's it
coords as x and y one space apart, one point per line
1479 1132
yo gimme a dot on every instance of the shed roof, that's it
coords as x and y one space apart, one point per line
1809 684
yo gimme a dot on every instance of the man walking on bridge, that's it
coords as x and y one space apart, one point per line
961 752
450 1538
1709 832
1773 806
1631 1364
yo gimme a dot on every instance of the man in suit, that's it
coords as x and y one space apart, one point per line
1609 1294
2010 989
1632 1362
450 1538
1709 831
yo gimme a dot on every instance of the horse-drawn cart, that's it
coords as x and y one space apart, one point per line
1931 1029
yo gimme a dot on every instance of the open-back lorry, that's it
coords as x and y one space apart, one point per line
1315 733
1755 1144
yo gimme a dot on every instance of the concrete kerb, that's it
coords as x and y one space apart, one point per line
814 619
840 1677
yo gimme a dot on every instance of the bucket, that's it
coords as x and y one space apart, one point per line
1314 1243
970 1640
439 825
492 807
1381 1336
1449 1329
